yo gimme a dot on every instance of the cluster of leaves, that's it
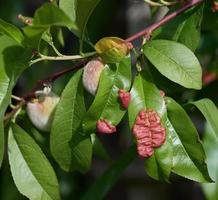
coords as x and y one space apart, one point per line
72 136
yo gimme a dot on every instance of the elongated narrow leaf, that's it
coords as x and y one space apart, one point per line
70 148
79 11
181 27
145 95
12 31
2 143
210 112
45 17
211 148
189 156
175 61
101 187
31 171
13 60
106 104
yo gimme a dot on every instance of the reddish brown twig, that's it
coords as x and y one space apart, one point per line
50 79
148 31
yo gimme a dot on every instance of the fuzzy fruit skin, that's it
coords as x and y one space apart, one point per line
41 112
91 75
104 127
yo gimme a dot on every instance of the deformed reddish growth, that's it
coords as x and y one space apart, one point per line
149 132
104 127
124 97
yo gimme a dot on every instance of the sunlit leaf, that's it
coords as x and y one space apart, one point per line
45 17
79 11
12 31
13 60
112 49
175 61
31 171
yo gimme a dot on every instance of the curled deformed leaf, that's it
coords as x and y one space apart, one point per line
112 49
149 132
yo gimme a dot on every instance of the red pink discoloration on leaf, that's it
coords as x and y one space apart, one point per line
104 127
149 132
125 98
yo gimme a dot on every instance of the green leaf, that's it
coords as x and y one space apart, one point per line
106 105
181 27
13 60
175 61
31 171
70 148
51 15
79 11
145 95
69 7
210 112
211 148
12 31
2 142
102 186
189 155
45 17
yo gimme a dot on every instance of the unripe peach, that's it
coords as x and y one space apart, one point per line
40 110
91 75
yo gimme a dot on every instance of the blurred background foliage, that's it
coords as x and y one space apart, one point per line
123 18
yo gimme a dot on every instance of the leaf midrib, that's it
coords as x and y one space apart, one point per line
173 61
43 190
